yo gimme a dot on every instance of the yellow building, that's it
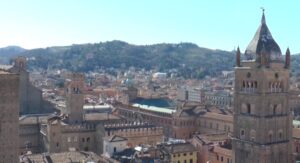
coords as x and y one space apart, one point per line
180 153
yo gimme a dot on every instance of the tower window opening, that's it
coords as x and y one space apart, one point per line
248 74
280 135
270 137
248 108
242 134
274 109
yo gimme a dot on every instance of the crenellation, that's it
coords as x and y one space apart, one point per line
78 128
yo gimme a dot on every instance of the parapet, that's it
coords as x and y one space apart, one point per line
132 129
83 127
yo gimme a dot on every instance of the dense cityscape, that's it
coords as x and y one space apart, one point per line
110 115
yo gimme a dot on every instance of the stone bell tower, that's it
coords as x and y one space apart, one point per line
262 118
75 98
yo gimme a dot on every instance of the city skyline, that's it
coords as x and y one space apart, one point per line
213 24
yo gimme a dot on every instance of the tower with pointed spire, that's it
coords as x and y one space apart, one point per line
262 118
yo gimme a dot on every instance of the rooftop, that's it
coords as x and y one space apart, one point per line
100 117
263 42
180 148
154 108
4 71
74 156
33 119
115 138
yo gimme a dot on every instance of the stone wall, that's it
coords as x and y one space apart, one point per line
9 117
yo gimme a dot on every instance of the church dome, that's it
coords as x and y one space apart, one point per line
263 43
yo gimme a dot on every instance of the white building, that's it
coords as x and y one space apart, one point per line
218 98
159 76
114 144
190 94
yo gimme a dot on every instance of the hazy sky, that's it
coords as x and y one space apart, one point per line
215 24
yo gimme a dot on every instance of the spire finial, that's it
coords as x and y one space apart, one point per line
238 57
288 51
263 19
287 58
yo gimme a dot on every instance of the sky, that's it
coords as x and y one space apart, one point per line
214 24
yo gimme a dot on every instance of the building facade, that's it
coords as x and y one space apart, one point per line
9 117
30 97
218 98
262 118
190 94
114 144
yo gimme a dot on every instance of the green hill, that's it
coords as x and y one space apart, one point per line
9 52
189 59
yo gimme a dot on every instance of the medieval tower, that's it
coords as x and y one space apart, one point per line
9 117
20 66
262 118
75 98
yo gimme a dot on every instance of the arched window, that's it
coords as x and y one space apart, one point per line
115 149
242 134
248 108
279 109
280 135
274 109
281 86
270 136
